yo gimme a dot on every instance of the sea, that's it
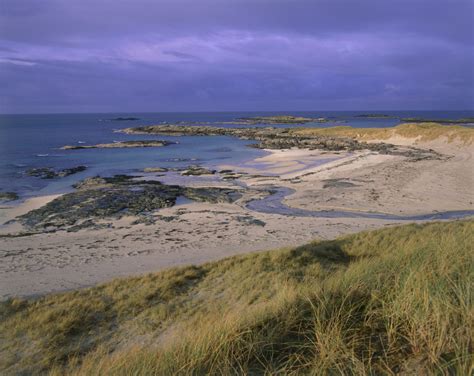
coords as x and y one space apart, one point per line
34 141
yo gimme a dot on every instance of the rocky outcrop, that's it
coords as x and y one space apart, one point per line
285 138
124 119
114 197
155 169
197 170
283 119
8 196
121 144
49 173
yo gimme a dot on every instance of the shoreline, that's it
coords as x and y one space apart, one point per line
197 232
10 212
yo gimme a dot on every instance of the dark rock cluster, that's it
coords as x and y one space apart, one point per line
49 173
197 170
8 196
114 197
124 119
121 145
284 138
281 119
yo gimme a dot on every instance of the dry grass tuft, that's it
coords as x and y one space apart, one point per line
381 302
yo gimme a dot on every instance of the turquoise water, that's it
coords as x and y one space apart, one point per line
29 141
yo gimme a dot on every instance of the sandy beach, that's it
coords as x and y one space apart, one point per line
236 188
195 232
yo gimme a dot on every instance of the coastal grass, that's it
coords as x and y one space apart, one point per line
422 131
380 302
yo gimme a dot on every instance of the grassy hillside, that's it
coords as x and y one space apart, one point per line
423 131
382 302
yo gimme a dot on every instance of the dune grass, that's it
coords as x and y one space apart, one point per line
380 302
421 131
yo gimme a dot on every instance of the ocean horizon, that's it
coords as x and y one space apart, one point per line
31 141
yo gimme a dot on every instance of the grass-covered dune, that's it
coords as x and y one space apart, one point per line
421 131
382 302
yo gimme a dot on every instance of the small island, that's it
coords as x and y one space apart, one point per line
280 119
124 119
439 121
121 144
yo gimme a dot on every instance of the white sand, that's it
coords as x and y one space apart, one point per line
200 232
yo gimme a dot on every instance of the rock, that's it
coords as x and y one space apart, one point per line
121 144
232 177
94 182
283 138
144 219
114 197
197 170
42 172
211 194
49 173
88 224
282 119
71 171
8 196
168 218
124 119
249 220
155 169
338 183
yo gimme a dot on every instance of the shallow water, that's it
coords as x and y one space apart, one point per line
273 204
30 141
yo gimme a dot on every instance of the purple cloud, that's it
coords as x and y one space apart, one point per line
240 55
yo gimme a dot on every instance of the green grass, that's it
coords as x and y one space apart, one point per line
380 302
422 131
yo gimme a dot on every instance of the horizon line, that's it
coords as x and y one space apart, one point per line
227 111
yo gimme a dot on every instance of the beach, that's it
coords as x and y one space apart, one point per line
197 232
236 188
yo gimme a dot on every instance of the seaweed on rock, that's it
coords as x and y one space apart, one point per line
120 195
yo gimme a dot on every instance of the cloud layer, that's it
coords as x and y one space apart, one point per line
99 56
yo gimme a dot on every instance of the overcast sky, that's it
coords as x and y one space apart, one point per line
227 55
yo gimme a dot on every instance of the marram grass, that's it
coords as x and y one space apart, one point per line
420 131
390 301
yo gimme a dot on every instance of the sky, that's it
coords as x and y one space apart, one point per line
235 55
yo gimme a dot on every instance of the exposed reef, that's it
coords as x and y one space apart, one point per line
8 196
155 169
121 144
285 138
282 119
124 119
49 173
197 170
114 197
192 170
